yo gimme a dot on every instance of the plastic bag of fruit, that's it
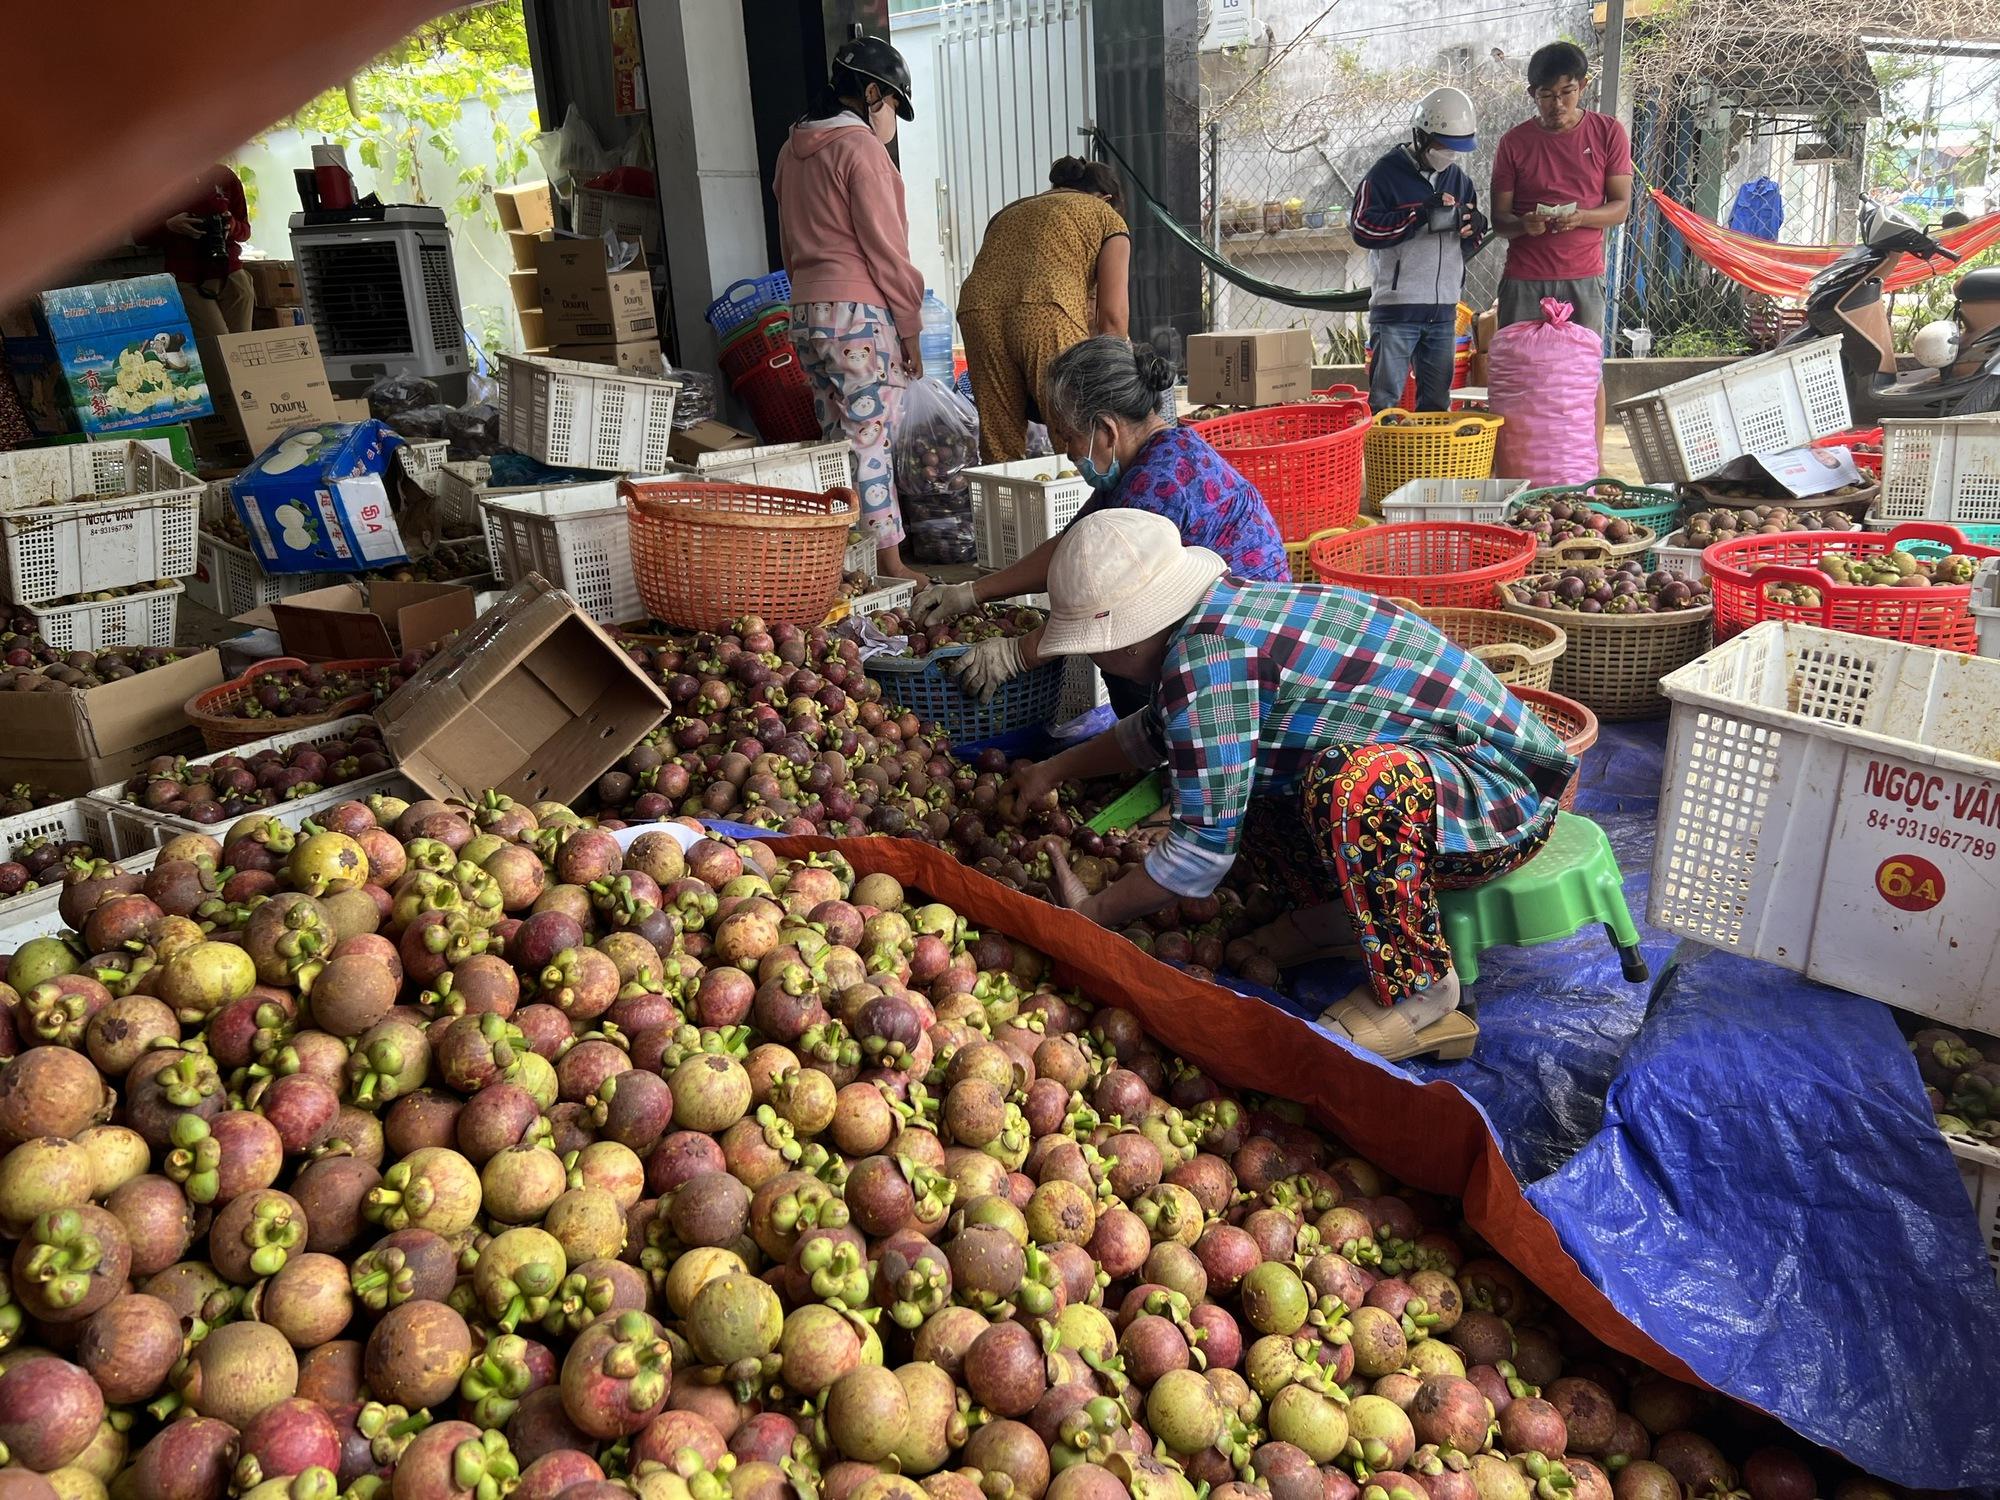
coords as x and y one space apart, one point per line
938 442
1542 377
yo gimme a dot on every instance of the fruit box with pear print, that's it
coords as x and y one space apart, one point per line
318 500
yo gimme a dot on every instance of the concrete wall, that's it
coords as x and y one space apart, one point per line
1623 378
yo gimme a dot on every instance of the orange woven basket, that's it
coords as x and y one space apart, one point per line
1571 722
212 710
1437 564
706 554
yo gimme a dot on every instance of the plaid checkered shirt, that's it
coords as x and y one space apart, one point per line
1263 677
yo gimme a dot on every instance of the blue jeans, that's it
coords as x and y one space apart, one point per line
1429 348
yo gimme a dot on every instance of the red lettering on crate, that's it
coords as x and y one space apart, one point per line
1909 882
1901 784
1974 802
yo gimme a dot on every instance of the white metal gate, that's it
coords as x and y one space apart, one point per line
1015 79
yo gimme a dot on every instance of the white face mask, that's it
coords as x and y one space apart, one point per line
1437 158
882 120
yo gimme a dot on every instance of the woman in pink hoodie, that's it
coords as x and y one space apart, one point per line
857 297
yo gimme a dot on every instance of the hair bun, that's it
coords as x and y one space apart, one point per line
1156 372
1068 171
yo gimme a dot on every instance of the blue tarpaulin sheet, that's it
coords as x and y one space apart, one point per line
1744 1162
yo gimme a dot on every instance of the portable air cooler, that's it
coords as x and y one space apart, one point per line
383 298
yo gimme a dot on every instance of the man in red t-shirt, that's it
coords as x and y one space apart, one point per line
203 246
1559 181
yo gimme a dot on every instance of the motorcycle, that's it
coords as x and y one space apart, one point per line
1846 299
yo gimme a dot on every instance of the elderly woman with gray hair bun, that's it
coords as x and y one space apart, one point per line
1103 404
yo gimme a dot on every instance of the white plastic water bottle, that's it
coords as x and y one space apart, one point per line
935 342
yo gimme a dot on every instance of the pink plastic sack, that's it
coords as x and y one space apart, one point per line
1542 377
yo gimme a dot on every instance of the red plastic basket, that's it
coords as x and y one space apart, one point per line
1439 564
1570 721
751 346
780 399
1865 443
1305 460
1742 571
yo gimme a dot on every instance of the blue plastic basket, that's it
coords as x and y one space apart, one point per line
747 300
921 685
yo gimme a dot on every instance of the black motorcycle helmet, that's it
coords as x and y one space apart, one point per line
874 59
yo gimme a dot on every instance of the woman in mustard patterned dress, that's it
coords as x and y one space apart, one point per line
1028 296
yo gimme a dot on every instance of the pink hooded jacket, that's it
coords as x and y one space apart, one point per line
841 222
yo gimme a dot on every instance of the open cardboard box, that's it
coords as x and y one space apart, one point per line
72 743
535 701
349 623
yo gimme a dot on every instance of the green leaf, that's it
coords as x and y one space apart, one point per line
371 155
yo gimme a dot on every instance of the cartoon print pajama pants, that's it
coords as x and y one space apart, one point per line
851 356
1370 822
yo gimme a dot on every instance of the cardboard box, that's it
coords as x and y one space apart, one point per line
269 382
585 302
73 743
689 443
276 281
20 322
127 354
1484 327
355 410
524 244
219 443
534 327
1478 371
278 317
1250 367
525 287
639 356
347 622
318 501
535 700
631 218
526 205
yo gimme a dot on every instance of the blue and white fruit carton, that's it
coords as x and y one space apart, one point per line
318 500
127 355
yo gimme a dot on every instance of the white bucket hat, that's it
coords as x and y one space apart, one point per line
1120 576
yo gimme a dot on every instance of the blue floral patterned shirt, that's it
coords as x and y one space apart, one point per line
1179 474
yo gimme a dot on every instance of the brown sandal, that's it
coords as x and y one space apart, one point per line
1387 1033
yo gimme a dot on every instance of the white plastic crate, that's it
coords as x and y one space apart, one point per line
1832 805
1947 469
1676 557
53 551
1019 505
1769 403
574 535
77 820
860 556
1979 1167
229 580
129 828
1985 607
1476 501
814 467
130 620
1083 689
896 595
583 416
595 210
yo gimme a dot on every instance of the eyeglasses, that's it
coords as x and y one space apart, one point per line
1569 93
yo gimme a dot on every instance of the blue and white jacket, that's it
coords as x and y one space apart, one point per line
1418 273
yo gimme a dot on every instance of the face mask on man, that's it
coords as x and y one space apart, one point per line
1437 158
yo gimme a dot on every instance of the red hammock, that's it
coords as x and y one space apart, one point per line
1784 270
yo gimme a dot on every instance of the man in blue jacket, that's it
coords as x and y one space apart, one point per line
1417 214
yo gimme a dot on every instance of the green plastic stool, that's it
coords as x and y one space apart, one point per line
1571 883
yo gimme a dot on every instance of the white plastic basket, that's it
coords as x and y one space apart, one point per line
1019 505
1832 805
896 595
77 820
53 551
36 914
229 580
813 467
1946 469
1769 403
583 416
1676 557
130 620
129 828
574 535
860 554
1083 689
1477 501
1979 1166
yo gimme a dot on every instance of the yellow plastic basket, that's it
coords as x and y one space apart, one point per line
1297 553
1408 445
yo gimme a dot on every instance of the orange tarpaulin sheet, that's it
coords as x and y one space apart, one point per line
1429 1135
1784 270
113 108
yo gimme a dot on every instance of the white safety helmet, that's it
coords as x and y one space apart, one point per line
1445 115
1936 344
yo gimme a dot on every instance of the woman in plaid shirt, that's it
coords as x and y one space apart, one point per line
1320 732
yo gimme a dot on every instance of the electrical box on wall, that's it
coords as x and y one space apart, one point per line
1230 24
